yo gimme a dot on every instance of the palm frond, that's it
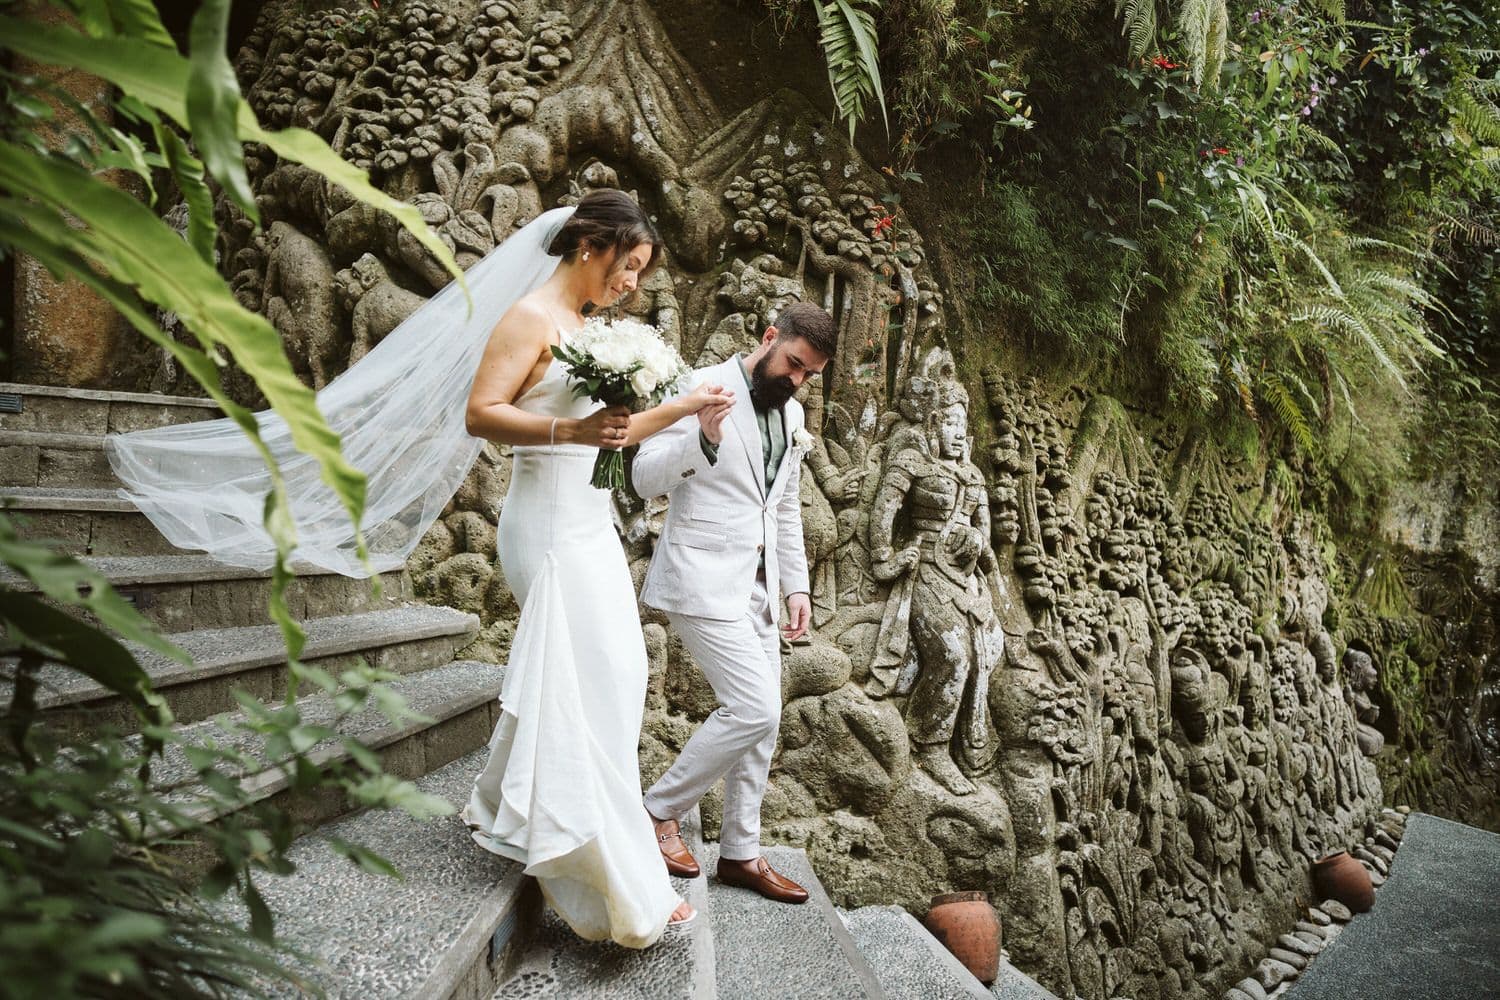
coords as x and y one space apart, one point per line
849 39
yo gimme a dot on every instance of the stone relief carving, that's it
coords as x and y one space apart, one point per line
1071 665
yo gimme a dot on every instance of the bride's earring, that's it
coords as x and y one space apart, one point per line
585 256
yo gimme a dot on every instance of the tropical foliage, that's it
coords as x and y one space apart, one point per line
88 905
1278 218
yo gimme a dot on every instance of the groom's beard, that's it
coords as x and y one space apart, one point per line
767 391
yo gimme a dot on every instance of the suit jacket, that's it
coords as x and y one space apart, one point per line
722 517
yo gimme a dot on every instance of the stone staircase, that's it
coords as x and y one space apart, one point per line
56 482
460 924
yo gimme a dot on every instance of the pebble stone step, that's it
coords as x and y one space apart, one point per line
766 950
62 410
402 639
428 935
556 963
457 706
96 522
1013 984
46 458
178 593
910 963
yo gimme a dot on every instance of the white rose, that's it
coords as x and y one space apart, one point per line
644 382
802 440
610 356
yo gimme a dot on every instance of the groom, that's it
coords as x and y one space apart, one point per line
731 548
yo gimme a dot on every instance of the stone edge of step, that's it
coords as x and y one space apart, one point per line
161 570
61 440
705 981
915 936
258 646
109 396
509 891
266 782
818 897
26 498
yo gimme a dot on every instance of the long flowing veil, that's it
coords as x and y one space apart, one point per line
399 411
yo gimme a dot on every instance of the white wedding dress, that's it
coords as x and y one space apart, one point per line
561 790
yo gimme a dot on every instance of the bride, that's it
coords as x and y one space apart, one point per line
561 790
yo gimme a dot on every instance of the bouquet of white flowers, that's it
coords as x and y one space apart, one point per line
620 363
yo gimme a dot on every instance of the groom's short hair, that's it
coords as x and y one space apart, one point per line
811 323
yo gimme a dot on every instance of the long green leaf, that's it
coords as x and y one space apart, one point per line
91 652
187 170
52 241
70 582
213 100
135 247
138 19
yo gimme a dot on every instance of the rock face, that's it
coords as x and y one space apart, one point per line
1084 666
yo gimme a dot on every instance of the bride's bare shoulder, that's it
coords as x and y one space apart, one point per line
527 320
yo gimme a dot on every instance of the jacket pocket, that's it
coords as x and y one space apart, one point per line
694 539
709 512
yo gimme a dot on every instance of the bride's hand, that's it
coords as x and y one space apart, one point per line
606 427
705 397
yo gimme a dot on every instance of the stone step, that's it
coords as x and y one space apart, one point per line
766 950
48 458
1013 984
403 640
555 962
910 963
457 704
178 593
80 522
441 932
63 410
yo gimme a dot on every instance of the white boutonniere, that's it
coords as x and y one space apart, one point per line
802 441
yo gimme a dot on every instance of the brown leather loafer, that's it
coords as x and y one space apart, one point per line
762 878
675 853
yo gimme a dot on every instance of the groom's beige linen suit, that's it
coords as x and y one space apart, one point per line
730 551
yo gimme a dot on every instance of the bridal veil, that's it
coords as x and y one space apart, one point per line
399 412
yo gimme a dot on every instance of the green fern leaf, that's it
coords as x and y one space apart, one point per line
1139 17
1288 413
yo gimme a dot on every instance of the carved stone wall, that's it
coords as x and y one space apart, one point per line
1088 669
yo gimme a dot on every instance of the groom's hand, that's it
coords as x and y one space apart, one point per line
711 420
799 617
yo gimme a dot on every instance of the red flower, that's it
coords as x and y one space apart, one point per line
882 224
1221 151
375 4
1162 62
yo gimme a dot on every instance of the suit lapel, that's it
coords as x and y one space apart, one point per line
746 427
789 427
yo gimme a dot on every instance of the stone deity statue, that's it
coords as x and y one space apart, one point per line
941 638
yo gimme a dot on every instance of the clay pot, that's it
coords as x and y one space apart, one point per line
1338 876
968 926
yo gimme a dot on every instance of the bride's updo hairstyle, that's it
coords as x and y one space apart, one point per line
607 218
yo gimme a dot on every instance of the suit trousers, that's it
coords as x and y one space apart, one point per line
741 660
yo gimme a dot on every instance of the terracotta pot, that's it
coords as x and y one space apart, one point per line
968 926
1338 876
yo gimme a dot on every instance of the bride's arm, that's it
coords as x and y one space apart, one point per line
667 413
515 346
